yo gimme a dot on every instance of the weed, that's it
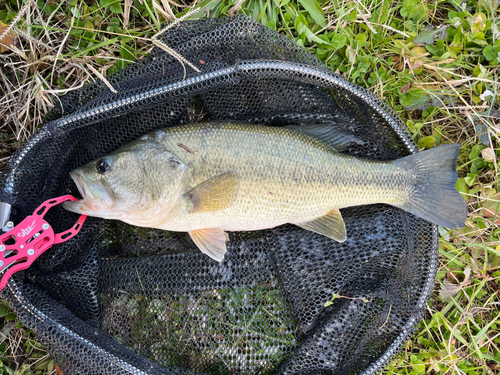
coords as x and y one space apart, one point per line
435 63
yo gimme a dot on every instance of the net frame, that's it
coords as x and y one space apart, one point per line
67 335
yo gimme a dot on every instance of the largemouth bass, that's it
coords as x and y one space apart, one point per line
209 178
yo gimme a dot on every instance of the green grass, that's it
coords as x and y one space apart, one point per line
436 63
195 329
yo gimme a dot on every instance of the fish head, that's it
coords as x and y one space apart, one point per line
127 182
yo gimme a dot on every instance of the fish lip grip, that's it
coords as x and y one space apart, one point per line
24 243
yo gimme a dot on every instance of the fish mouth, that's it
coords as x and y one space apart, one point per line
78 182
80 206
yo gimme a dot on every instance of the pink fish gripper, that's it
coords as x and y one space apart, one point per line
24 243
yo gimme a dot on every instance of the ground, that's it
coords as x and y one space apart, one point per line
436 63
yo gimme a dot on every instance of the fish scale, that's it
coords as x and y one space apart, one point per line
213 177
284 176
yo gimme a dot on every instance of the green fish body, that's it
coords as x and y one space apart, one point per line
209 178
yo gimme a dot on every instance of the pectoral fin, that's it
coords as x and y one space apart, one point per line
330 225
214 194
211 242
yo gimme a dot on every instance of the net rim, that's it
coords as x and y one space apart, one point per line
296 71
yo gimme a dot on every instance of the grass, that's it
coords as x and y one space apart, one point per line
233 325
436 63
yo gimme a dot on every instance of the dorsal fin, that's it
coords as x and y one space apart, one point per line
334 135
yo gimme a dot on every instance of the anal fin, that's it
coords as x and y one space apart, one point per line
330 225
211 242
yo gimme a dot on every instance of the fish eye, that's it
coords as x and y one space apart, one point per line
102 167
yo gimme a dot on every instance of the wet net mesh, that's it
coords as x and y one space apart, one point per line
121 299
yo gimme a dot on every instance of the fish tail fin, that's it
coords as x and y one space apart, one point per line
434 197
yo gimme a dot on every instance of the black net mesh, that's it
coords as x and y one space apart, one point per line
121 299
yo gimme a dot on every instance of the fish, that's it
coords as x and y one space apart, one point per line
211 178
